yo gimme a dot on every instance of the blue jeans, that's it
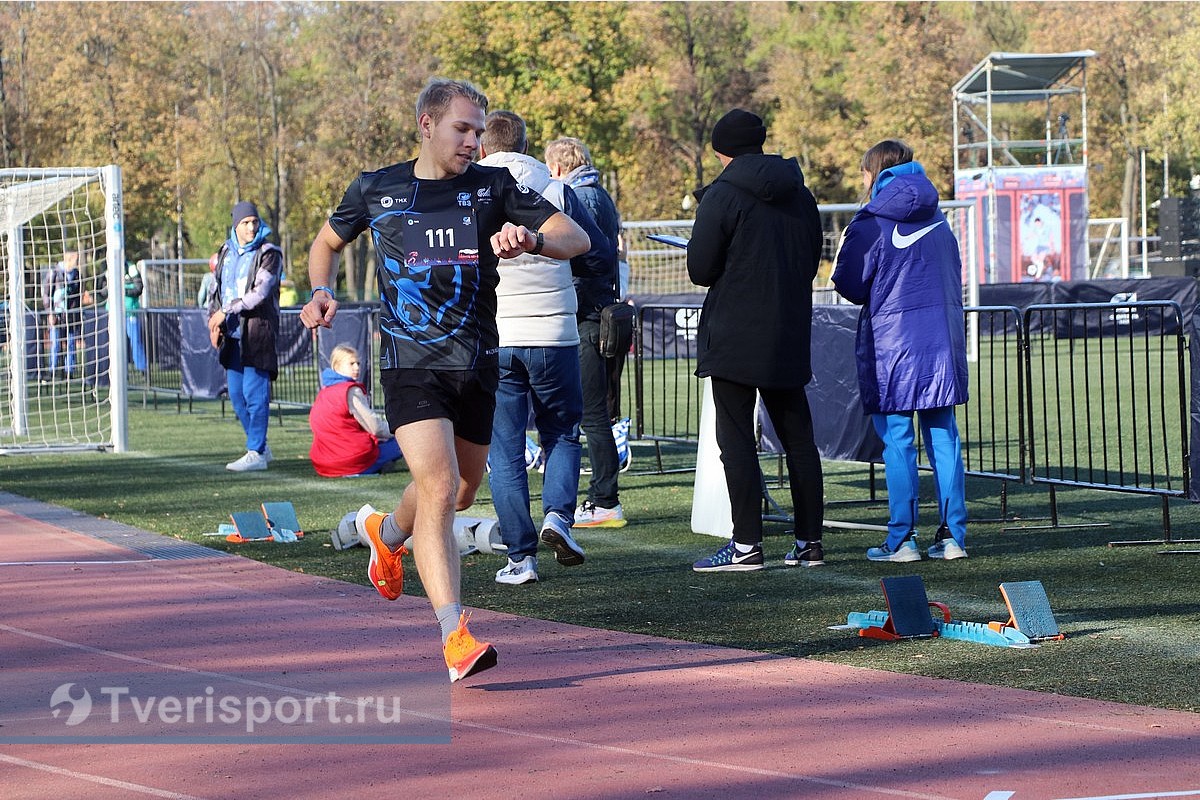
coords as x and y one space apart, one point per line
62 335
250 395
137 348
597 427
549 378
939 430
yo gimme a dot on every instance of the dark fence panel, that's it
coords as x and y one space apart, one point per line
1106 399
991 422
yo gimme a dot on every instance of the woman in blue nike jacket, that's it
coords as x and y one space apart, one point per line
900 262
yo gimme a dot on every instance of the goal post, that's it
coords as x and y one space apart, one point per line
62 315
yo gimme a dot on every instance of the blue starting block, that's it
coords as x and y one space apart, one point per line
282 516
908 616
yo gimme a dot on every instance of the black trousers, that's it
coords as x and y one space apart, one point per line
792 419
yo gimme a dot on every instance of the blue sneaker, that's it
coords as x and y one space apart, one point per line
906 551
728 559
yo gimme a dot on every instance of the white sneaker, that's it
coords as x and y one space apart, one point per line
590 515
947 549
518 572
907 551
251 462
556 533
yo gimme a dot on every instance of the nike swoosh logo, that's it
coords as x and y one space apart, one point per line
900 241
740 557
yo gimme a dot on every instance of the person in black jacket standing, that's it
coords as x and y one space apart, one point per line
755 245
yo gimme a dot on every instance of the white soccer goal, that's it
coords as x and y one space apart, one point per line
62 319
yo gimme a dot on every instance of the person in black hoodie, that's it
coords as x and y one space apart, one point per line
755 245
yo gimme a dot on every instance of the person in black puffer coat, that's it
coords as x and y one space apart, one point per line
756 244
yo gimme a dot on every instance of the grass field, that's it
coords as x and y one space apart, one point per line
1131 615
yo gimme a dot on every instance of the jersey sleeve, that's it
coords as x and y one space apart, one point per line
522 205
350 218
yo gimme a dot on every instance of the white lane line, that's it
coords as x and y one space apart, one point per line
83 776
70 563
1145 796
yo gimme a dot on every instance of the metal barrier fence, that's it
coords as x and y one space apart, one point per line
1106 399
1090 395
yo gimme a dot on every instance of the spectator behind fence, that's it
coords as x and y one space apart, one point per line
133 286
243 321
899 260
62 298
756 245
349 438
446 224
539 365
206 283
569 160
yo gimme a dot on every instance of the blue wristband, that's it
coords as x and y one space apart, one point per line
324 289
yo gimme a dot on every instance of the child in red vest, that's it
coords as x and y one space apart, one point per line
349 438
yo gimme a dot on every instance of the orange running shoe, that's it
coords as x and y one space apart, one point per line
465 655
385 570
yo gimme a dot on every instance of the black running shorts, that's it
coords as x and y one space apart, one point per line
466 398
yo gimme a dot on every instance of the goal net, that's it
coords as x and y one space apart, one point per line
62 315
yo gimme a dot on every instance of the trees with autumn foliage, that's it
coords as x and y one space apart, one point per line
284 103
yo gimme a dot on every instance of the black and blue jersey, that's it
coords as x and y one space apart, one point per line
437 272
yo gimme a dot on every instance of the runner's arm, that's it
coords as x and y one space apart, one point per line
562 239
319 311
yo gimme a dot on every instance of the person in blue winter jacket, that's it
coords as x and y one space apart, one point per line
899 260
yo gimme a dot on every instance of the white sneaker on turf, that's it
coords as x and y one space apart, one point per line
556 533
590 515
515 573
947 549
907 551
251 462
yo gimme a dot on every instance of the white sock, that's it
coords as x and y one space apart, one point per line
743 548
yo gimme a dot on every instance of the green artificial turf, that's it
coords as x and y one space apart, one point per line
1131 615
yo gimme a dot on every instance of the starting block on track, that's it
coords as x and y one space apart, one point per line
908 616
273 522
1028 612
282 516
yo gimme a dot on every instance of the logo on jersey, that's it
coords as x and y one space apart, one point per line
385 201
464 199
522 188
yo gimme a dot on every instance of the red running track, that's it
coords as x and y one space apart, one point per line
569 712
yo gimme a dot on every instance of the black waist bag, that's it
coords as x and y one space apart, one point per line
616 329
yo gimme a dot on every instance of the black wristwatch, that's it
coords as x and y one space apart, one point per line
539 244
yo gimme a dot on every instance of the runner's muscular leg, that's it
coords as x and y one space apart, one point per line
472 462
428 503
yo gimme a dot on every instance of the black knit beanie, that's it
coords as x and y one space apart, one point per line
739 132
